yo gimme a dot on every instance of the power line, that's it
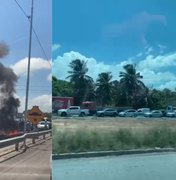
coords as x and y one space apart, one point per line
38 91
19 85
22 9
40 45
38 40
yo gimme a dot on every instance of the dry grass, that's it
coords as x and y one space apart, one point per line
77 135
113 124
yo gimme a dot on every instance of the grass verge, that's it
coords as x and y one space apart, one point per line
123 139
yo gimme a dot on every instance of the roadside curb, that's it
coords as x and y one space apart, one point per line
110 153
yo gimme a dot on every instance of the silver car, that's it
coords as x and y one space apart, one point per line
171 114
128 113
107 112
154 113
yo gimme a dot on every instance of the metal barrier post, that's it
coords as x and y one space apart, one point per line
44 136
33 140
16 146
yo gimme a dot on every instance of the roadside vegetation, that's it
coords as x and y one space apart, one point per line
127 90
122 139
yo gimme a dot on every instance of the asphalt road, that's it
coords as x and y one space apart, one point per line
33 164
128 167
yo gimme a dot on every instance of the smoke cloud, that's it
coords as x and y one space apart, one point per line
8 104
4 49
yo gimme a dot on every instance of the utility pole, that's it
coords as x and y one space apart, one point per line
28 70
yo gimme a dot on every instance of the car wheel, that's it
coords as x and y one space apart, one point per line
102 115
63 114
114 115
82 114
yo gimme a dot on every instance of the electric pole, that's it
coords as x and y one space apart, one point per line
28 68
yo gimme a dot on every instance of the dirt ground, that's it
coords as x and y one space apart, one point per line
111 124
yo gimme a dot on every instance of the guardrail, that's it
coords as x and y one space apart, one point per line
16 140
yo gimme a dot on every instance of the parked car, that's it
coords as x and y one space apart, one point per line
142 111
73 110
153 113
107 112
128 113
43 125
171 114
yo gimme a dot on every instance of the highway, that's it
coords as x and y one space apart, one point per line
33 164
154 166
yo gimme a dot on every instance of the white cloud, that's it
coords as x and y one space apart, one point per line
139 54
158 62
156 70
128 28
162 48
170 85
158 79
60 66
43 101
20 68
151 68
55 47
149 50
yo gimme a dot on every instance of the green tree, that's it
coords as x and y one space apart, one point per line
132 86
61 88
80 81
104 88
160 99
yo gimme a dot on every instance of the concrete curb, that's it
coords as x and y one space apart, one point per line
110 153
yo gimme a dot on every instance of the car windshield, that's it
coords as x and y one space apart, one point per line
42 123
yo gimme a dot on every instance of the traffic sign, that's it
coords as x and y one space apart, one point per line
35 115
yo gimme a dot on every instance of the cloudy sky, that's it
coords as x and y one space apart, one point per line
110 34
15 33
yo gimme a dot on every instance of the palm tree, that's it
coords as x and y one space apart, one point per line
104 87
131 84
79 79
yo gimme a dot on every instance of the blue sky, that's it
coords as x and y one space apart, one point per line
110 34
15 33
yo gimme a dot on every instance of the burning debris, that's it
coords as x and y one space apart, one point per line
8 103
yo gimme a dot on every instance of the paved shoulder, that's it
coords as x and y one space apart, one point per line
34 164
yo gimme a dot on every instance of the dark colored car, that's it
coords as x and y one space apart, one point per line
107 112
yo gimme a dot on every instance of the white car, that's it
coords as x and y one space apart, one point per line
72 111
142 111
42 125
171 114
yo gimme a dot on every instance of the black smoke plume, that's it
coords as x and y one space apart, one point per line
8 103
4 49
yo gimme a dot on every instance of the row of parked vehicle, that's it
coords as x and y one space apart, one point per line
146 112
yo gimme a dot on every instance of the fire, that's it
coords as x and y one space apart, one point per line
12 133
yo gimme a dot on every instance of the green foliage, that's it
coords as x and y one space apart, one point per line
61 88
128 91
104 88
97 140
134 88
81 82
